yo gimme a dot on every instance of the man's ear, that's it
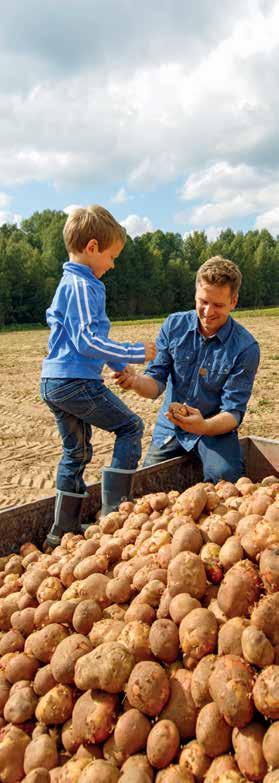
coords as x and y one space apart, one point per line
234 300
92 246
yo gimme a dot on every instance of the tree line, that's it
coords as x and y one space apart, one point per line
154 275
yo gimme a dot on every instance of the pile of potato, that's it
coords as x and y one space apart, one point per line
149 649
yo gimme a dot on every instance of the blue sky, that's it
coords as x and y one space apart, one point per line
165 112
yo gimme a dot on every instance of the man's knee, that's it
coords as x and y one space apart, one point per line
221 469
136 425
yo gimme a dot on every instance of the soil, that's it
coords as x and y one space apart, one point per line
29 442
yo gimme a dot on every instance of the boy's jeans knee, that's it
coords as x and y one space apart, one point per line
78 405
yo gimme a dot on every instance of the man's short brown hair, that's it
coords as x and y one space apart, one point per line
93 222
220 271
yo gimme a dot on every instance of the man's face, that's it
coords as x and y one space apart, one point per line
213 305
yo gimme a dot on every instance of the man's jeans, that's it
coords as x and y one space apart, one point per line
220 456
77 406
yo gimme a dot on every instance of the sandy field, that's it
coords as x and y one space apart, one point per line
29 443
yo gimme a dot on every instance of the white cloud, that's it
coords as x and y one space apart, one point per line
121 196
269 220
136 225
71 208
9 217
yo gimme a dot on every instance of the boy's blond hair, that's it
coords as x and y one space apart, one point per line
220 271
93 222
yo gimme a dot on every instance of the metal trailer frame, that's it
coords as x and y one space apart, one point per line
31 522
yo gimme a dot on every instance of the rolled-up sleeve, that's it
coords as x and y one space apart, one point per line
159 369
238 386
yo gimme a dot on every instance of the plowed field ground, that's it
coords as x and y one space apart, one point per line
29 443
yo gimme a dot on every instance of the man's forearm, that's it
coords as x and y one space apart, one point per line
220 424
146 386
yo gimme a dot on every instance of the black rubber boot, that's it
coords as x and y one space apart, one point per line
116 486
66 516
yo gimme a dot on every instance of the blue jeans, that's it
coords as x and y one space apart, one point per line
221 456
77 406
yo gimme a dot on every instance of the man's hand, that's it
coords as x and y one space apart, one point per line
126 377
150 350
192 422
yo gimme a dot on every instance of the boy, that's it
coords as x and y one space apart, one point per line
71 383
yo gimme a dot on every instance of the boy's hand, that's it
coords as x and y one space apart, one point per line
126 377
150 350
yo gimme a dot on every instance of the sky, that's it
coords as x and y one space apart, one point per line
164 111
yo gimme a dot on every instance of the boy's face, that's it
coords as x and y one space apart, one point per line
213 305
101 262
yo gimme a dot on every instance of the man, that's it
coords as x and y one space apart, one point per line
208 361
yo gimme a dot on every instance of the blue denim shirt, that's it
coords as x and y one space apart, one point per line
213 374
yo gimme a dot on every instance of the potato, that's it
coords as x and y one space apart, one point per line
8 606
140 612
66 654
212 731
200 680
23 621
42 643
194 759
181 605
187 538
198 635
131 732
192 501
105 631
107 668
271 746
12 641
56 705
162 743
94 586
230 685
265 616
21 705
5 687
137 763
135 637
230 635
164 640
115 612
247 743
119 590
220 766
21 667
266 692
85 614
269 569
100 771
62 612
41 752
272 777
186 574
239 590
39 775
44 680
50 589
70 772
174 774
41 614
256 647
148 688
94 716
33 578
230 553
180 707
13 743
164 605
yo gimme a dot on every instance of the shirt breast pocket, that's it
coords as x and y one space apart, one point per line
184 365
215 376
